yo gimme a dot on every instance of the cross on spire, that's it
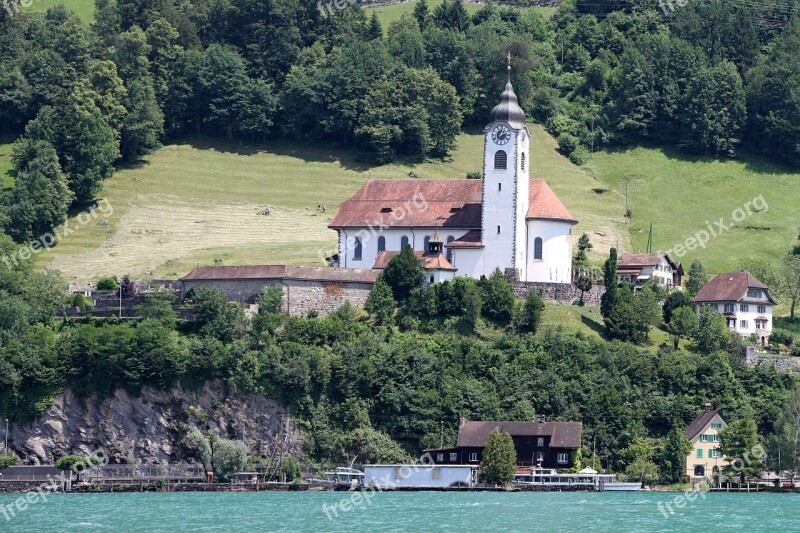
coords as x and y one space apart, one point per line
509 66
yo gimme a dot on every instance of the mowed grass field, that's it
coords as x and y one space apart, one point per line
84 8
681 195
391 13
198 202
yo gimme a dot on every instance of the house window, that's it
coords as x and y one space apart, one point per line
537 249
762 309
716 425
699 453
381 244
427 245
453 457
403 242
540 442
743 324
761 324
473 457
703 438
522 160
437 473
500 160
562 458
357 250
439 457
729 308
753 293
744 308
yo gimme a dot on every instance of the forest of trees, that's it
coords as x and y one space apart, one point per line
713 78
360 385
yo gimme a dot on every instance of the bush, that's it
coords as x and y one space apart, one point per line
579 155
107 284
474 175
8 460
781 337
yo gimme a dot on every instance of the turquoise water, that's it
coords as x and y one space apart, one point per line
414 511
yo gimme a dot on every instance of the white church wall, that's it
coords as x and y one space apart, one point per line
523 163
556 263
393 238
469 261
498 203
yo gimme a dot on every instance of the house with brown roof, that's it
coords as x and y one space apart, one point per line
639 268
706 458
506 220
745 302
538 444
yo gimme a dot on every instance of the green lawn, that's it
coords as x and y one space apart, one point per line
84 8
389 14
587 320
681 195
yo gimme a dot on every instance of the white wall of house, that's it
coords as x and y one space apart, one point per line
393 238
417 476
746 313
438 276
555 266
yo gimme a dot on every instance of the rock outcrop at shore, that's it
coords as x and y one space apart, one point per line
147 428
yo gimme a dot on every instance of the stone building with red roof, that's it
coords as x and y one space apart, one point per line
506 220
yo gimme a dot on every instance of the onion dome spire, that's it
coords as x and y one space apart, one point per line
508 110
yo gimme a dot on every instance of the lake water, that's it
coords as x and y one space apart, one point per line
408 511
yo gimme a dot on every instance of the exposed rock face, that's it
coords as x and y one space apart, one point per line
148 428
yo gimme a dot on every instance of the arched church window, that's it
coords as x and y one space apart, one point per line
500 160
381 243
357 250
537 248
427 246
450 239
403 242
523 160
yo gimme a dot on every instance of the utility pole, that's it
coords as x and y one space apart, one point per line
441 434
6 448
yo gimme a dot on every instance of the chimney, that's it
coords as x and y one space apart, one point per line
707 405
461 422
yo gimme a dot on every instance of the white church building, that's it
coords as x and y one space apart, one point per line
504 221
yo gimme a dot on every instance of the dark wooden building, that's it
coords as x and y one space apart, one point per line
539 444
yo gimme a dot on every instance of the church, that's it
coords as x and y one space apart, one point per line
466 227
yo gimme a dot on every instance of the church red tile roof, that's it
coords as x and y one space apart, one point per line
309 273
430 261
471 239
731 287
431 203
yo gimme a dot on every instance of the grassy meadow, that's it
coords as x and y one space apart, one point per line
681 195
198 202
84 8
391 13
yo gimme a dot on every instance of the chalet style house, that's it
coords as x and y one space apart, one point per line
705 459
505 221
745 302
638 269
538 444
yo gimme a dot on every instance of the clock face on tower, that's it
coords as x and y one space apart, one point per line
501 135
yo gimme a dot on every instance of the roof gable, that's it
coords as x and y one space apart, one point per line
731 287
562 434
701 422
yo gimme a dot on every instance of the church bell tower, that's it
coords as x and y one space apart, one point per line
505 185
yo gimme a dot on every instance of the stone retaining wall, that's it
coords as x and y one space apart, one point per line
784 363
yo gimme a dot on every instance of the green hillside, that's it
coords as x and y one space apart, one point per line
389 14
683 194
84 8
198 202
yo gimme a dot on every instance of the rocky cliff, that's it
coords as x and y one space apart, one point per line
147 428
